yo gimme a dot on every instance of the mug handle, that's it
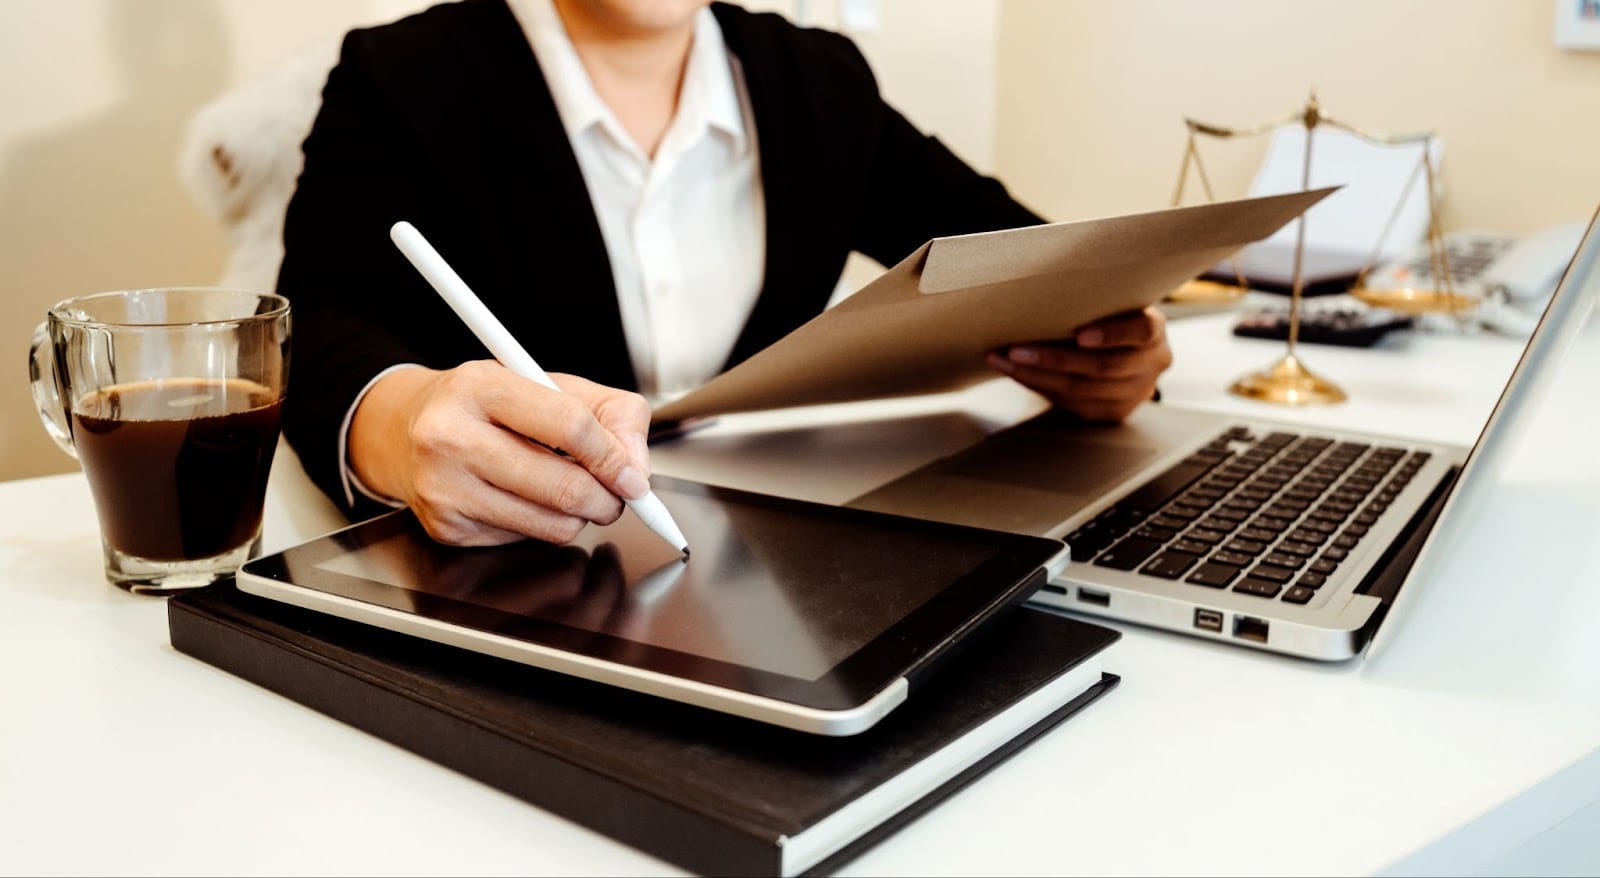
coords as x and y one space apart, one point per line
46 389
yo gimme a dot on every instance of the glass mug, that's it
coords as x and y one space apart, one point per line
170 399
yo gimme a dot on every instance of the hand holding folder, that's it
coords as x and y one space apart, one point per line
925 325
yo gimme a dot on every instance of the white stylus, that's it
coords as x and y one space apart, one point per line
505 348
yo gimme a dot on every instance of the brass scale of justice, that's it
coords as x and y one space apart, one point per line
1288 381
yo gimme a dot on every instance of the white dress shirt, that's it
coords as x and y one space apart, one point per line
685 230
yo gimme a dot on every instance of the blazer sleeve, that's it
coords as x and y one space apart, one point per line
345 282
917 189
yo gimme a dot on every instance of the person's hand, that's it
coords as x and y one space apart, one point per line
1102 373
472 451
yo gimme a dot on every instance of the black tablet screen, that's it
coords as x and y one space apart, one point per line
763 588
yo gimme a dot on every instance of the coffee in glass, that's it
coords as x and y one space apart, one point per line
170 399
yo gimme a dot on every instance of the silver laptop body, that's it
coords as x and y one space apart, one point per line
1269 535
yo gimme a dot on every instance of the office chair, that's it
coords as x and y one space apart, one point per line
239 161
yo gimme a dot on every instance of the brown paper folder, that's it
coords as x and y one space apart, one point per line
924 325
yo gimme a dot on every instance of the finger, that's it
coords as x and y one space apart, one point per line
457 451
484 515
1129 329
1098 363
625 414
1093 399
467 532
1061 386
565 422
540 477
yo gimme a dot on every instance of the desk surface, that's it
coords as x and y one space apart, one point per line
119 755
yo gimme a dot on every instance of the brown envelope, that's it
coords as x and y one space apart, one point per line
925 325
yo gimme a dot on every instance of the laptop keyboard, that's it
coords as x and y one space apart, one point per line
1267 515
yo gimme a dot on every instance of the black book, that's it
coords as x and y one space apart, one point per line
707 791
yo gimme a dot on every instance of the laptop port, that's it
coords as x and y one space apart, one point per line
1054 589
1250 628
1098 598
1208 620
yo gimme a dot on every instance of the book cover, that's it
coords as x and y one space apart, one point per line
713 793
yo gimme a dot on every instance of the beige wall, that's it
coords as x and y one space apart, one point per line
1091 95
935 62
94 95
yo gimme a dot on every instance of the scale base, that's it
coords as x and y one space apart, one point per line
1288 382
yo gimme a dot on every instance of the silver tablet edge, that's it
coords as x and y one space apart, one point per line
794 716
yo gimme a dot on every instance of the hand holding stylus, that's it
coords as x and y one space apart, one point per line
462 446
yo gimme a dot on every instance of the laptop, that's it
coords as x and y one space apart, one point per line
1243 530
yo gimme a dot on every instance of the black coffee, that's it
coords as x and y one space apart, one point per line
178 467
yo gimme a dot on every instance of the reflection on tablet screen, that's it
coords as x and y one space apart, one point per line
764 588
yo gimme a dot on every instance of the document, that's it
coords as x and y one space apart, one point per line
1342 233
925 325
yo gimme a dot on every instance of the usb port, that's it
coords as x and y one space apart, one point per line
1207 620
1098 598
1250 628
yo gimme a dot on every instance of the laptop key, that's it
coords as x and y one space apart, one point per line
1271 522
1205 457
1312 580
1116 521
1298 594
1194 546
1258 587
1170 565
1247 547
1088 544
1156 532
1237 559
1272 574
1128 554
1214 575
1284 559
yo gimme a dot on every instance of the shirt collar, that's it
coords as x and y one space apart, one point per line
708 80
708 95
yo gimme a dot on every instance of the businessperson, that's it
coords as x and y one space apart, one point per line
646 192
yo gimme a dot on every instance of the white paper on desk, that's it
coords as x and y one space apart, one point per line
925 325
1341 232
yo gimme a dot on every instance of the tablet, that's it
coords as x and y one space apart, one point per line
814 617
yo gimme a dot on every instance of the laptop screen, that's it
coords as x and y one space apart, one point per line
1560 324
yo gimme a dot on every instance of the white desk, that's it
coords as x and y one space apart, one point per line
119 755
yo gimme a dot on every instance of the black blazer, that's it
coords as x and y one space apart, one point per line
444 119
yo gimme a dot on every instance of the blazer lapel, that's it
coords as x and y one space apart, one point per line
549 232
790 295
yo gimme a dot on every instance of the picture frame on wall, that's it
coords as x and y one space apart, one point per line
1577 24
